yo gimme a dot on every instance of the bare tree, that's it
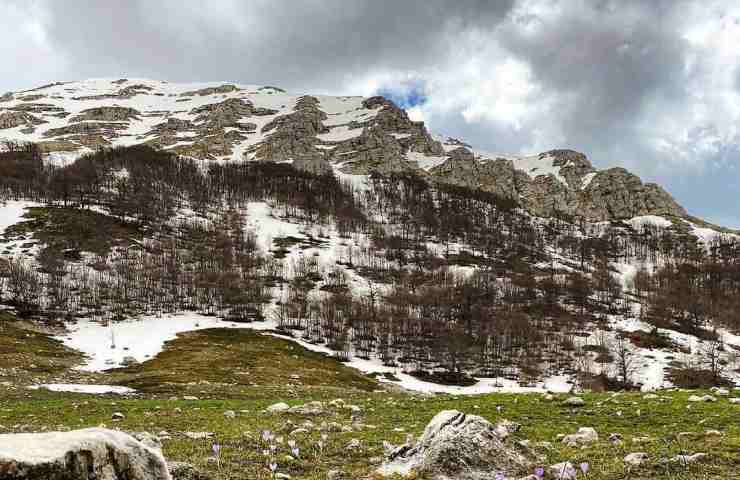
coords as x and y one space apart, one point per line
625 361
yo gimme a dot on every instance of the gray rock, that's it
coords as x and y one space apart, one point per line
563 471
704 398
584 436
107 114
17 119
354 444
636 459
334 475
574 402
688 459
151 441
117 416
456 445
310 408
280 407
109 454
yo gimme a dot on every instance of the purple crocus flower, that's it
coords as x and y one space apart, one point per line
216 450
584 467
500 476
539 472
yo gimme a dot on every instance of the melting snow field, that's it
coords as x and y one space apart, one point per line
12 212
79 388
143 339
140 339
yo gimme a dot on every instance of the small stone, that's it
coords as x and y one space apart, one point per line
230 414
280 407
705 398
334 475
311 408
585 435
688 459
117 416
563 471
636 459
354 444
574 402
190 398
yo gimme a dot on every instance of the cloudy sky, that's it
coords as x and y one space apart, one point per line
653 86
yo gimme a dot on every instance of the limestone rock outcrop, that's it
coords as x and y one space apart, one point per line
457 446
82 454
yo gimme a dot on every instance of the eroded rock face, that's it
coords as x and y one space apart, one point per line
393 119
17 119
87 128
617 193
82 454
457 446
210 91
461 168
293 137
107 114
373 151
228 114
578 190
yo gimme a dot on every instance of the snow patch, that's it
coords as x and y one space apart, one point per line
80 388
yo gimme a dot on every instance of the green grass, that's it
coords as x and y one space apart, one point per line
225 363
25 351
245 372
385 412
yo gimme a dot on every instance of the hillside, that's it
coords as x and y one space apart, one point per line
139 210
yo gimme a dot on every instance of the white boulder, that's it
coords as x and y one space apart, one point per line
278 408
583 436
108 454
574 402
636 459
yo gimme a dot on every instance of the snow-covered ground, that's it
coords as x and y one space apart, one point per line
82 388
144 338
11 212
140 339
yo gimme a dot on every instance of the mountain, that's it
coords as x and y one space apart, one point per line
356 135
346 226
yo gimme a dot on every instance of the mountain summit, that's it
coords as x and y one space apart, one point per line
354 135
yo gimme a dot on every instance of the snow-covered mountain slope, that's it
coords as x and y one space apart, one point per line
517 271
226 121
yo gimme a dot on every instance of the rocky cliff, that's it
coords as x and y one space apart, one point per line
355 135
